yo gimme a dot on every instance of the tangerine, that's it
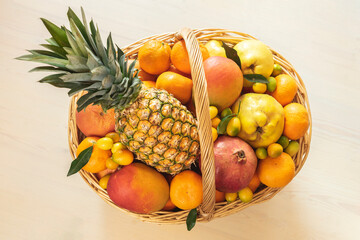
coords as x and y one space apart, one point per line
154 57
180 57
285 90
144 76
219 196
296 121
254 183
97 161
176 84
186 190
276 172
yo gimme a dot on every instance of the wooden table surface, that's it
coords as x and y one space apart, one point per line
320 38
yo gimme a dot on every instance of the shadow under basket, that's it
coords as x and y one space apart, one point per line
208 209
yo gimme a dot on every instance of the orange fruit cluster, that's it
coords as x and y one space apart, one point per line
167 68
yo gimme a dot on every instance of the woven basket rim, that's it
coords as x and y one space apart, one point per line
221 209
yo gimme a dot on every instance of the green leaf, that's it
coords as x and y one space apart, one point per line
221 128
232 54
58 62
89 37
101 47
73 43
47 69
72 16
76 77
80 161
191 219
256 78
57 33
79 38
238 108
55 49
52 41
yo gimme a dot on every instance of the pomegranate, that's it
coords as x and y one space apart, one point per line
235 164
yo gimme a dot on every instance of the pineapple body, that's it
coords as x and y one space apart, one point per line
160 131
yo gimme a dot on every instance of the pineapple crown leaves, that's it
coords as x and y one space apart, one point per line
79 61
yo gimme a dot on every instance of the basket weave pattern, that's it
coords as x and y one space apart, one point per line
208 209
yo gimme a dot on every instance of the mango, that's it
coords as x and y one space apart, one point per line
224 81
138 188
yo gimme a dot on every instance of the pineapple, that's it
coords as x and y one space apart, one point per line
151 122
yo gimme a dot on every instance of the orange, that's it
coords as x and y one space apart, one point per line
286 89
144 76
97 161
186 190
276 172
168 206
176 84
149 84
154 57
219 196
180 57
175 70
296 121
254 183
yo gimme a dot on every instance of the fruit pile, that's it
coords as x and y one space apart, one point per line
138 117
251 128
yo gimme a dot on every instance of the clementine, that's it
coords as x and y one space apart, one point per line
97 161
296 121
276 172
169 206
179 86
154 57
286 89
180 57
186 190
144 76
254 183
93 121
219 196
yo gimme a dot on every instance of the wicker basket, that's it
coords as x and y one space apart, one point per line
208 209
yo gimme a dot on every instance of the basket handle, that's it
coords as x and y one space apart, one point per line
204 122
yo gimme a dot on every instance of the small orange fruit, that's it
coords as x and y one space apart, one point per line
180 57
219 196
144 76
274 150
97 161
276 172
179 86
154 57
186 190
169 206
254 183
215 122
149 84
175 70
296 121
114 136
123 157
286 89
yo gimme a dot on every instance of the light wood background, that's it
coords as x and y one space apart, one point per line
320 38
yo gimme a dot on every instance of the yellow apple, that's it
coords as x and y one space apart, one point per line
261 117
255 57
215 48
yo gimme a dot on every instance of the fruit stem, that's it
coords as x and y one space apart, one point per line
241 156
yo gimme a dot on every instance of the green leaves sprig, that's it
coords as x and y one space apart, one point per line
256 78
191 219
80 161
232 54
